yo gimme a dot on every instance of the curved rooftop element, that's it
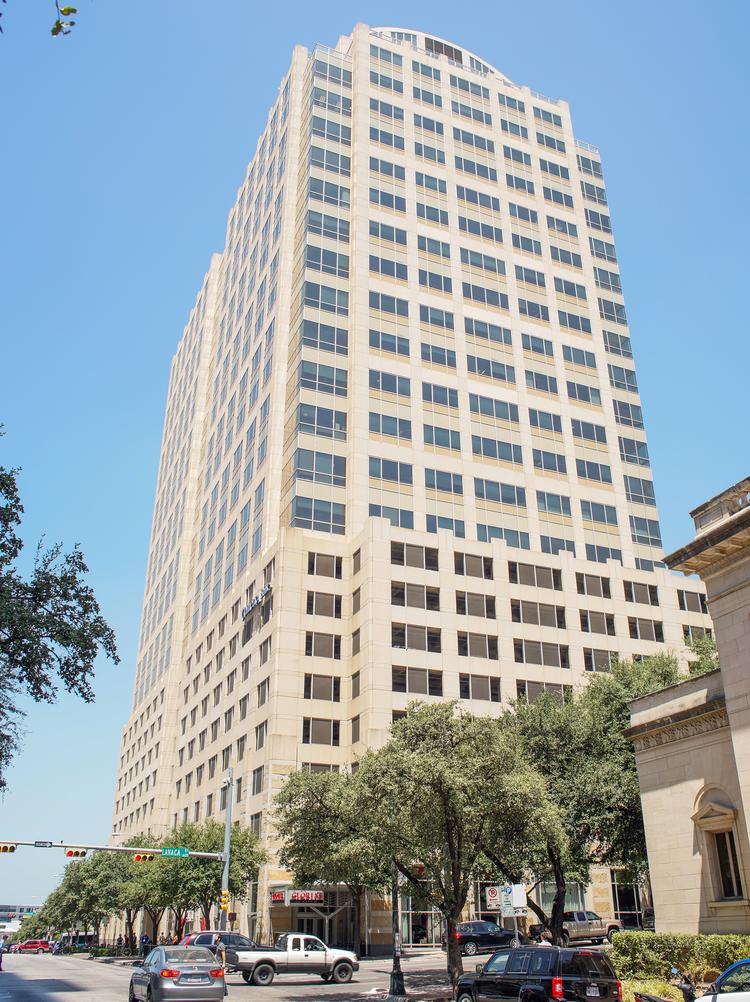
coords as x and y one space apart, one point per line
436 46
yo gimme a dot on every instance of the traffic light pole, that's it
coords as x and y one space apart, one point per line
227 847
39 844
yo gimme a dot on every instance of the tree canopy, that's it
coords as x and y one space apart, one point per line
325 838
51 626
113 883
537 795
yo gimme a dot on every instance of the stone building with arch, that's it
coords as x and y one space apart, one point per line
692 744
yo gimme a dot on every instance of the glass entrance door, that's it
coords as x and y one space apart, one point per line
310 924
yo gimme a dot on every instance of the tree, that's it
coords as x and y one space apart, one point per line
33 926
706 654
108 876
432 796
51 626
62 24
580 748
195 882
319 821
147 886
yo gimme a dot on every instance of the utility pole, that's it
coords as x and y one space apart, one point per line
227 845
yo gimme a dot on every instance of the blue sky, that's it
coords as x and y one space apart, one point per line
123 147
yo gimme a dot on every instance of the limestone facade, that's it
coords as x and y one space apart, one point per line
404 451
691 743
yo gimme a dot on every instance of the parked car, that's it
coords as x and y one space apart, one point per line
542 974
294 953
735 979
479 937
177 973
34 946
648 920
588 926
205 937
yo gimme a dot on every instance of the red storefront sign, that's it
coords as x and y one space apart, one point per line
297 896
306 897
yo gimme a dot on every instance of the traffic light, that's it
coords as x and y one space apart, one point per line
7 847
143 857
224 899
75 853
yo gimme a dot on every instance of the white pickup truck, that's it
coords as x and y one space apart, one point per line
294 953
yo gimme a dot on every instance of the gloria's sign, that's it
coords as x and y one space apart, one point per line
305 897
297 896
256 600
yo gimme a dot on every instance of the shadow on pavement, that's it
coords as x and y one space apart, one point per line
36 987
420 984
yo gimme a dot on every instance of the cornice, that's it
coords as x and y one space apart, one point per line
710 716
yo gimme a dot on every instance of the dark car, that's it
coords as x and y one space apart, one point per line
231 940
476 937
542 974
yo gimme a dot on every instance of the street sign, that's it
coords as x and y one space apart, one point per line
492 896
518 895
518 899
178 852
43 845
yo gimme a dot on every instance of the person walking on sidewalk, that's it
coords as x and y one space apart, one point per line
221 955
2 950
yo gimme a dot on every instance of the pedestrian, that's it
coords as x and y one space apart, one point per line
119 943
175 940
162 939
221 954
145 941
2 949
546 938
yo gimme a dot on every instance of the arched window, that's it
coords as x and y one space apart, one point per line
716 820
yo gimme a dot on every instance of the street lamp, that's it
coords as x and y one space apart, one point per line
397 989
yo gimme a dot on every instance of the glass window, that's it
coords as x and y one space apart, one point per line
738 980
542 962
585 964
497 963
518 962
731 885
311 943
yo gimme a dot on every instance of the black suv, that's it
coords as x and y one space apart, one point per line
541 974
474 937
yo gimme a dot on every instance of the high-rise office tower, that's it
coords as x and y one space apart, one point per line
404 452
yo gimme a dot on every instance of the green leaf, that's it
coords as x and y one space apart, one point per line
65 11
56 28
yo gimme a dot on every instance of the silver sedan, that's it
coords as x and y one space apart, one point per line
177 974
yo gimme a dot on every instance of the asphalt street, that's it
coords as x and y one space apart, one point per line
77 979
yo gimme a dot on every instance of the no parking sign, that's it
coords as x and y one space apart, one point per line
492 895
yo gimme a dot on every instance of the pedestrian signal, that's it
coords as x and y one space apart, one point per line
7 847
224 899
143 857
75 853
